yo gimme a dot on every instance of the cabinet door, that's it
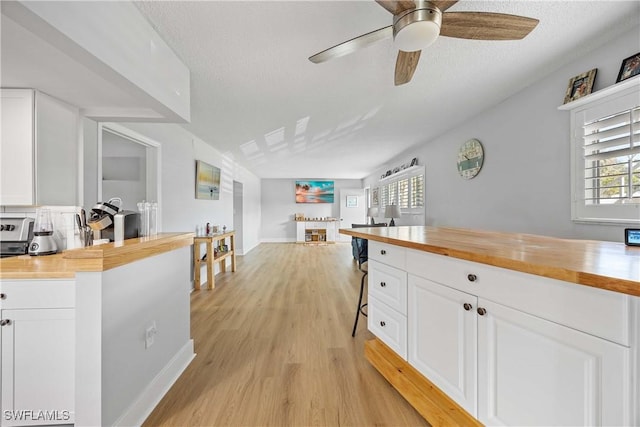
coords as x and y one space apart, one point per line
535 372
38 363
442 338
16 147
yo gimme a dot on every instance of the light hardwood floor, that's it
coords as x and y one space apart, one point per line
274 348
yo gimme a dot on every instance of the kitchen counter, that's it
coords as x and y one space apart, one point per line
92 258
605 265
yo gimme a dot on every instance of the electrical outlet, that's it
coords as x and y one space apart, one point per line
149 335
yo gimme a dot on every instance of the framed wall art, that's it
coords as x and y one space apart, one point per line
374 197
630 67
580 85
352 201
207 181
314 191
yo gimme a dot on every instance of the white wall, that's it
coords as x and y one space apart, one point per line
279 207
524 185
180 210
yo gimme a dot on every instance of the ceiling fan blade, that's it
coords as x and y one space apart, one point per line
405 66
443 4
397 6
352 45
486 26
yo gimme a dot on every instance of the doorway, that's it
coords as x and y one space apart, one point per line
238 216
128 167
352 210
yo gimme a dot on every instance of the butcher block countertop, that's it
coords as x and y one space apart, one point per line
92 258
605 265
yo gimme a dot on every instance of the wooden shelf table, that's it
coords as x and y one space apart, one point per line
210 259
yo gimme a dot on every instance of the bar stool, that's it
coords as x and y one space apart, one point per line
360 247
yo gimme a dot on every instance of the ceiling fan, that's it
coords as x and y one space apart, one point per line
417 24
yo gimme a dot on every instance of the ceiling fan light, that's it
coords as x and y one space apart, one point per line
417 29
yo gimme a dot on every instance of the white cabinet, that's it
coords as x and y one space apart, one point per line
387 296
443 339
38 150
535 372
510 348
315 231
37 346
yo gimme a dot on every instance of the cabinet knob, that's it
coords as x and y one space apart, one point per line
382 324
383 252
482 311
467 306
472 277
5 322
383 284
3 296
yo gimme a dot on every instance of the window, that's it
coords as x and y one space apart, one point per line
606 164
405 190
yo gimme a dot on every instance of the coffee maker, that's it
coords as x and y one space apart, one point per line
43 242
109 222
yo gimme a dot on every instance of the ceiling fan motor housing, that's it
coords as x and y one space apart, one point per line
417 29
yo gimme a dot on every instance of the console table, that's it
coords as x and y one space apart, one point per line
214 253
316 231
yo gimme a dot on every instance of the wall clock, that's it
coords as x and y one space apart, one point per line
470 158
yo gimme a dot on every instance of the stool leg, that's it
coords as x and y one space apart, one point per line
359 309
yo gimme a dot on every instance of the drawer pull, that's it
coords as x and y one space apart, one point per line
383 284
482 311
472 277
382 324
5 322
467 306
3 296
383 252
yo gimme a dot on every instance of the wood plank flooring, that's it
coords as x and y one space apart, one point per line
274 348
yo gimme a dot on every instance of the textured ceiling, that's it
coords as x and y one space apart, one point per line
257 98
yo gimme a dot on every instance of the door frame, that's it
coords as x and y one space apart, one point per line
153 161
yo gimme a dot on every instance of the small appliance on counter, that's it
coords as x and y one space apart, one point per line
109 222
43 242
15 235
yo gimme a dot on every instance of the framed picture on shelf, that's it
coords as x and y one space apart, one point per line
580 85
630 67
352 201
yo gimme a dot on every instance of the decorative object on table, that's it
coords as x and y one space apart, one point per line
417 25
207 181
374 196
630 67
392 211
470 158
372 212
352 201
299 217
224 228
314 191
580 85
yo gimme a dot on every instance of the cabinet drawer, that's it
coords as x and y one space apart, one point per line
387 254
38 294
598 312
389 285
388 325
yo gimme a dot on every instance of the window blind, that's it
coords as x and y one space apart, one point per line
417 191
403 193
612 158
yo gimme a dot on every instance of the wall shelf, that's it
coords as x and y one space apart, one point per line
602 93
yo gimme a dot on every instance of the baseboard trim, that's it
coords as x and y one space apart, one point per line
430 402
157 388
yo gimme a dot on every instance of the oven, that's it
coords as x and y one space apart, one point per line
15 235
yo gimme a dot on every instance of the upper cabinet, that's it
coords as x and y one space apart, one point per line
38 150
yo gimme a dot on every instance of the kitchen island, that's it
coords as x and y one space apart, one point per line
505 329
121 333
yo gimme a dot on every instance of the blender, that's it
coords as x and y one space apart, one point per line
43 242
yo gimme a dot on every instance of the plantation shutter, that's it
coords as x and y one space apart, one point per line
384 196
612 158
403 193
417 191
393 193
